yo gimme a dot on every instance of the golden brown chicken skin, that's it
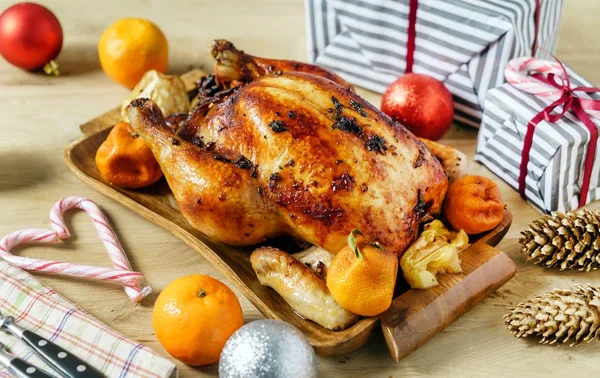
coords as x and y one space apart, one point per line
295 154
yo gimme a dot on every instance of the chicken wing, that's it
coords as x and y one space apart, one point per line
455 163
317 259
300 288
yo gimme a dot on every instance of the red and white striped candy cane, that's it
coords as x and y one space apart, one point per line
121 273
518 70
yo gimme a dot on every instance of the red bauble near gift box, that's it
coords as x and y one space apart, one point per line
30 37
421 103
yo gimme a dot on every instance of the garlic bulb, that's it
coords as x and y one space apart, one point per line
167 91
435 251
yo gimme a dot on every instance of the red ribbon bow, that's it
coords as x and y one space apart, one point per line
569 101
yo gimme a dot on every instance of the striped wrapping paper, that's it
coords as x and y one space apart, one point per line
465 43
40 309
555 169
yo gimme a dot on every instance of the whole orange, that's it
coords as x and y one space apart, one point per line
194 316
474 204
362 277
130 47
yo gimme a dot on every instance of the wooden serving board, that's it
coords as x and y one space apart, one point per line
415 315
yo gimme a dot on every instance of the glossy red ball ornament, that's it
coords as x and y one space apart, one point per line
421 103
30 36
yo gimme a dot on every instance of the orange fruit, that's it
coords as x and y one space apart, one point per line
194 316
362 277
474 204
130 47
124 159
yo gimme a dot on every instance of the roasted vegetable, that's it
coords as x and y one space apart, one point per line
167 91
435 251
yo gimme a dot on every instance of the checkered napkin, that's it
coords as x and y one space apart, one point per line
40 309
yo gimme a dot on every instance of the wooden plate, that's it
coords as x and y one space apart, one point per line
415 315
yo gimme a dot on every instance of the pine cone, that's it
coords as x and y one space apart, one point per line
559 317
567 241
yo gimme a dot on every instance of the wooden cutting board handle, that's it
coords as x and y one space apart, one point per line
417 315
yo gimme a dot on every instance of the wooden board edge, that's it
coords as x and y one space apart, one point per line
496 235
362 330
99 123
499 269
350 344
144 212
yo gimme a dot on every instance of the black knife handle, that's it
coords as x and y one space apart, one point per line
64 362
24 370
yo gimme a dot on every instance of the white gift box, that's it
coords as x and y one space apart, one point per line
465 43
557 157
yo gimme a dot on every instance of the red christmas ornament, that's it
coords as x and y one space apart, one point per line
30 37
421 103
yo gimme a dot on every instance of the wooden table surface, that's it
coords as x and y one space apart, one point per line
40 116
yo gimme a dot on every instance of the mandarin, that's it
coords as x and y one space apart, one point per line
474 204
362 277
194 316
130 47
124 159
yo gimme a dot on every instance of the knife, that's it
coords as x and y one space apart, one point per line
65 363
19 367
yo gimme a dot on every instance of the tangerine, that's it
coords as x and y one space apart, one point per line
474 204
194 316
124 159
130 47
362 276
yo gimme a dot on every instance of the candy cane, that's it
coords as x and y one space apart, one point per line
121 273
517 74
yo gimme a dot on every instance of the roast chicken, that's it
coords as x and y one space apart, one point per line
287 148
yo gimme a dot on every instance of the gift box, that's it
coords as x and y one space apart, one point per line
465 43
556 166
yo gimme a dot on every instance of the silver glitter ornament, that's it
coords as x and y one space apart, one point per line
268 349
